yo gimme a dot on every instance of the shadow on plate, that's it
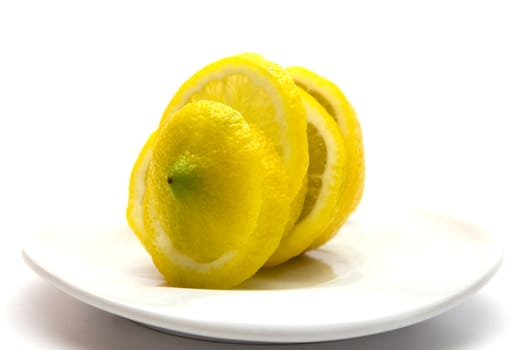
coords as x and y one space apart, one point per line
300 272
43 312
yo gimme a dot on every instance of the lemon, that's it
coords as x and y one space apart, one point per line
325 176
251 165
265 94
334 101
216 201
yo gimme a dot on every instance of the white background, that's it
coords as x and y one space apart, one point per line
439 88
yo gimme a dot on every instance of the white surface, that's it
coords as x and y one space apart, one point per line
439 90
384 271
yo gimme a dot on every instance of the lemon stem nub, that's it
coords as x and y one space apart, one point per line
183 175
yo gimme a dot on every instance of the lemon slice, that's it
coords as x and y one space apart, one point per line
137 189
325 178
266 96
216 200
336 104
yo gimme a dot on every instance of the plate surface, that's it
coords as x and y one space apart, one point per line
383 271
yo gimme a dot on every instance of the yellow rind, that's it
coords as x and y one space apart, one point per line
224 231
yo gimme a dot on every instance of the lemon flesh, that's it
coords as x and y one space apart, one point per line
325 176
216 200
335 103
265 94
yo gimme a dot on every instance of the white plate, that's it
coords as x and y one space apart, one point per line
382 272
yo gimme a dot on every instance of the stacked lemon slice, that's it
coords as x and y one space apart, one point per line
251 165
